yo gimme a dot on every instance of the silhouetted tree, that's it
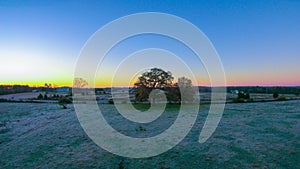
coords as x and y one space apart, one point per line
275 94
40 97
155 78
48 85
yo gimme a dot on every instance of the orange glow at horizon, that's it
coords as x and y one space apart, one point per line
232 80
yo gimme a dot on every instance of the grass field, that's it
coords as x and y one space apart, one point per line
250 135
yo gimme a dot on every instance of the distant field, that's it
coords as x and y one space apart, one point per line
251 135
27 96
20 96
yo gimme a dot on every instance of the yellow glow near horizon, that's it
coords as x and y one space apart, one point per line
58 78
102 83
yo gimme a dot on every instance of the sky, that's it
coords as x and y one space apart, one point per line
257 41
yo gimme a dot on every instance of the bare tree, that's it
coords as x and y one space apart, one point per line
79 83
186 89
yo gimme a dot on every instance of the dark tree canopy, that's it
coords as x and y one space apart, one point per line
155 78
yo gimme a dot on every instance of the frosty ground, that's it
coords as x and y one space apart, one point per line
250 135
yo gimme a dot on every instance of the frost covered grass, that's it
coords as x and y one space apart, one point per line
252 135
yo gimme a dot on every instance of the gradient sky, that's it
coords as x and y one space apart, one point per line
257 41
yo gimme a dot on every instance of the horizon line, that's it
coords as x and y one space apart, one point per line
31 86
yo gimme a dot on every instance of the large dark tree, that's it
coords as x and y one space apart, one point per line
155 78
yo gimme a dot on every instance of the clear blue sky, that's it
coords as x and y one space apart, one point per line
258 41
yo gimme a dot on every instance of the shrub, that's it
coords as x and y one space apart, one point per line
3 127
282 98
40 97
111 101
140 128
238 100
247 96
63 101
3 100
275 94
242 97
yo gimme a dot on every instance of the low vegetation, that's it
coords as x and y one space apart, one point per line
63 101
242 98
